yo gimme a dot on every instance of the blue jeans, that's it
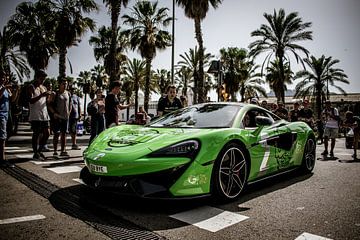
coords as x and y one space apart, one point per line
97 125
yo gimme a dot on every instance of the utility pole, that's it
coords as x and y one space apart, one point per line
173 44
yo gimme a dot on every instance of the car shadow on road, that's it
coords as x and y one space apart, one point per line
102 206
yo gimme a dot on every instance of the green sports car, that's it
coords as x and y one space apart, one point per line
205 149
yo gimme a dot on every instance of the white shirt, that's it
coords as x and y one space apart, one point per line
38 109
331 122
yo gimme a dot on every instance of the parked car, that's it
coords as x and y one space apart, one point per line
206 149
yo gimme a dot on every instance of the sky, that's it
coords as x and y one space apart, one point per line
334 24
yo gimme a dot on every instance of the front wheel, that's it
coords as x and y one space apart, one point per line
230 172
308 162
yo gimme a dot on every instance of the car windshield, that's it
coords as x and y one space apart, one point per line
200 116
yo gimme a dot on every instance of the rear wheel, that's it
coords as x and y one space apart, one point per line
230 172
308 162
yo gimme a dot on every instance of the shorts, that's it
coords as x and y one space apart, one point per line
38 126
60 125
73 125
331 132
3 123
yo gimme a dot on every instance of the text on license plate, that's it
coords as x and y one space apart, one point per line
97 168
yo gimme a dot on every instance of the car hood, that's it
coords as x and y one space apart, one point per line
127 138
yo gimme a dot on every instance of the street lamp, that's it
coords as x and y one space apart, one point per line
215 68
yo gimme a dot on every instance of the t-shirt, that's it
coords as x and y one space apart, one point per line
331 118
306 113
111 109
75 103
294 115
165 106
281 112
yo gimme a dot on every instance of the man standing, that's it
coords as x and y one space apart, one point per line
112 105
281 111
353 122
331 116
39 116
169 103
61 107
4 114
294 114
306 114
74 117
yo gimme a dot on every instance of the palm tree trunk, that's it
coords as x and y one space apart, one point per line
318 100
115 12
201 92
62 62
136 97
147 84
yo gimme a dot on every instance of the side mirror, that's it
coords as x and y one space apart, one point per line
263 121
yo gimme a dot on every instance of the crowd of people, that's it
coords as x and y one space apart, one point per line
327 127
58 112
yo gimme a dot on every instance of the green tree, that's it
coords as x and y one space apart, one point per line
233 60
183 79
11 59
315 81
281 35
99 76
135 72
191 60
162 80
33 33
197 10
147 22
102 44
70 25
277 83
114 9
251 82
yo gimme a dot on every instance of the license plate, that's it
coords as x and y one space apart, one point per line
98 169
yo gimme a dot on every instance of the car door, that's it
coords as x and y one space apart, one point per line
272 145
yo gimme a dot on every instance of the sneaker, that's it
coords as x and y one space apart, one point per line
75 147
42 155
55 155
331 154
38 157
324 153
64 154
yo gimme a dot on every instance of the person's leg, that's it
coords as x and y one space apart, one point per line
35 125
326 141
64 128
356 141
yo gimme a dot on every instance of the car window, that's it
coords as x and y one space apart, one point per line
200 116
249 121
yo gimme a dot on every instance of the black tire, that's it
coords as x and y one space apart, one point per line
230 173
308 162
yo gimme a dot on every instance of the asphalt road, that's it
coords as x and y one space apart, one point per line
322 205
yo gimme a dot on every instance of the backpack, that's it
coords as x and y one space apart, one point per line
92 108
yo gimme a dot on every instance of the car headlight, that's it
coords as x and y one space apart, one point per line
183 149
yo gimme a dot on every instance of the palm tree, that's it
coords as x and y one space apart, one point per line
114 9
162 80
32 32
70 25
197 10
102 44
273 77
99 76
250 84
127 89
11 59
135 73
147 35
184 79
233 60
280 36
315 82
191 60
83 81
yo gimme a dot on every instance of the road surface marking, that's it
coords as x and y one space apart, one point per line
51 162
209 218
24 156
18 151
22 219
68 169
11 148
309 236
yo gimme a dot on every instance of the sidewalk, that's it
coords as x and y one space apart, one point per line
18 147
